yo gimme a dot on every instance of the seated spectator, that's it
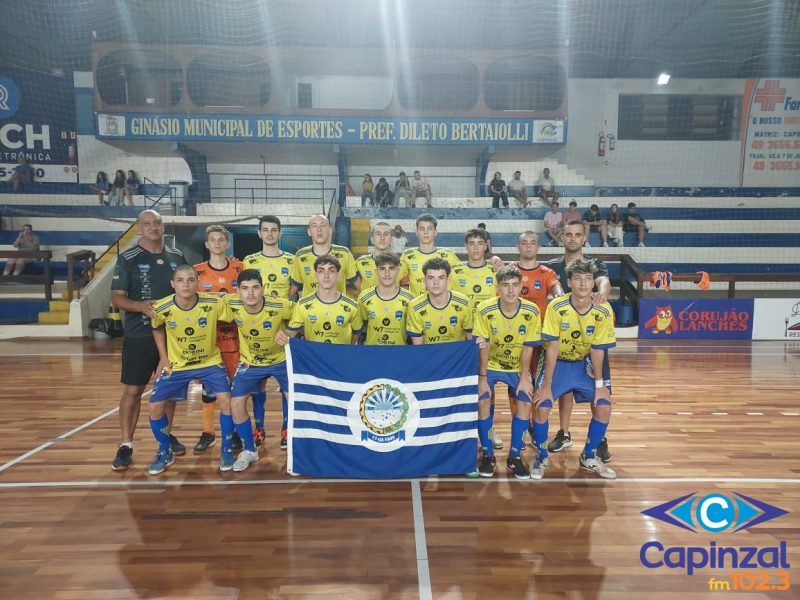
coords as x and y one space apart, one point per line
572 214
553 225
117 191
383 195
497 189
132 185
23 173
420 187
101 187
488 239
614 223
25 242
593 222
399 240
402 189
547 188
516 189
631 221
367 191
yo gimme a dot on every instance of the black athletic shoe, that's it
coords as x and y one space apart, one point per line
517 467
175 446
562 441
206 441
236 443
123 460
486 466
603 452
284 439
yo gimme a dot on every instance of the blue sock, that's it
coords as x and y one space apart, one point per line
540 437
160 429
259 407
597 431
245 431
518 427
226 430
285 409
484 425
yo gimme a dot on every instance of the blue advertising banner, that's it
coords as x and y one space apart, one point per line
325 129
37 121
695 318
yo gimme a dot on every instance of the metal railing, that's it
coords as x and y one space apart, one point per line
151 201
76 282
253 189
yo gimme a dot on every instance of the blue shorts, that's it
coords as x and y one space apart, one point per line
511 379
587 361
248 378
175 385
570 377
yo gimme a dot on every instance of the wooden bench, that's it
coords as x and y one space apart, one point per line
45 279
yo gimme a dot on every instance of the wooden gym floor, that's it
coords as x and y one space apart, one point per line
689 417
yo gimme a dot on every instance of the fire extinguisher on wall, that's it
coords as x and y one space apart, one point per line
611 140
601 145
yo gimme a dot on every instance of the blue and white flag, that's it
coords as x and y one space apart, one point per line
382 411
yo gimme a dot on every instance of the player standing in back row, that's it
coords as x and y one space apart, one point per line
413 259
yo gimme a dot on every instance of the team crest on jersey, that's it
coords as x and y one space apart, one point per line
267 325
340 320
490 280
564 326
590 330
494 330
453 321
202 321
537 285
285 271
307 269
312 318
398 314
383 415
462 282
522 329
414 266
173 265
159 261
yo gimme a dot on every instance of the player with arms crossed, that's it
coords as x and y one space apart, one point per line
384 308
258 319
574 328
185 333
511 328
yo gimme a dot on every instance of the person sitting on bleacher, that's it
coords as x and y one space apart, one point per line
25 242
420 187
593 222
118 188
23 173
101 187
516 189
614 224
553 225
367 191
132 185
631 221
383 195
497 189
402 189
547 188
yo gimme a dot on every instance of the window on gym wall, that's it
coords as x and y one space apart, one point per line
438 83
229 80
132 77
679 117
524 83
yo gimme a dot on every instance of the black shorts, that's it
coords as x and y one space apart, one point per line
139 360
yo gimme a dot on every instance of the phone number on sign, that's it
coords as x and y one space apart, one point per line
777 165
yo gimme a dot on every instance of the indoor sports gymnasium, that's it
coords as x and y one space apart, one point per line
377 299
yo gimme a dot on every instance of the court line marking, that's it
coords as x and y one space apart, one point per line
60 438
423 569
175 483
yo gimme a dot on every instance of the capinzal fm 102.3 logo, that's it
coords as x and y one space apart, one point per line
714 513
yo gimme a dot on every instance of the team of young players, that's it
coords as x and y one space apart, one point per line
505 308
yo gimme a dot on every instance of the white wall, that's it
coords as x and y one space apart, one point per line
94 156
593 107
345 92
233 181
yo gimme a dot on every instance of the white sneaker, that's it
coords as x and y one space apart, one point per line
641 245
587 244
497 442
539 466
595 465
605 244
245 458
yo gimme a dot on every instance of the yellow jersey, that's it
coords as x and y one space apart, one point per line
476 283
275 272
328 322
257 330
507 335
449 324
575 333
384 320
191 333
411 262
302 273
